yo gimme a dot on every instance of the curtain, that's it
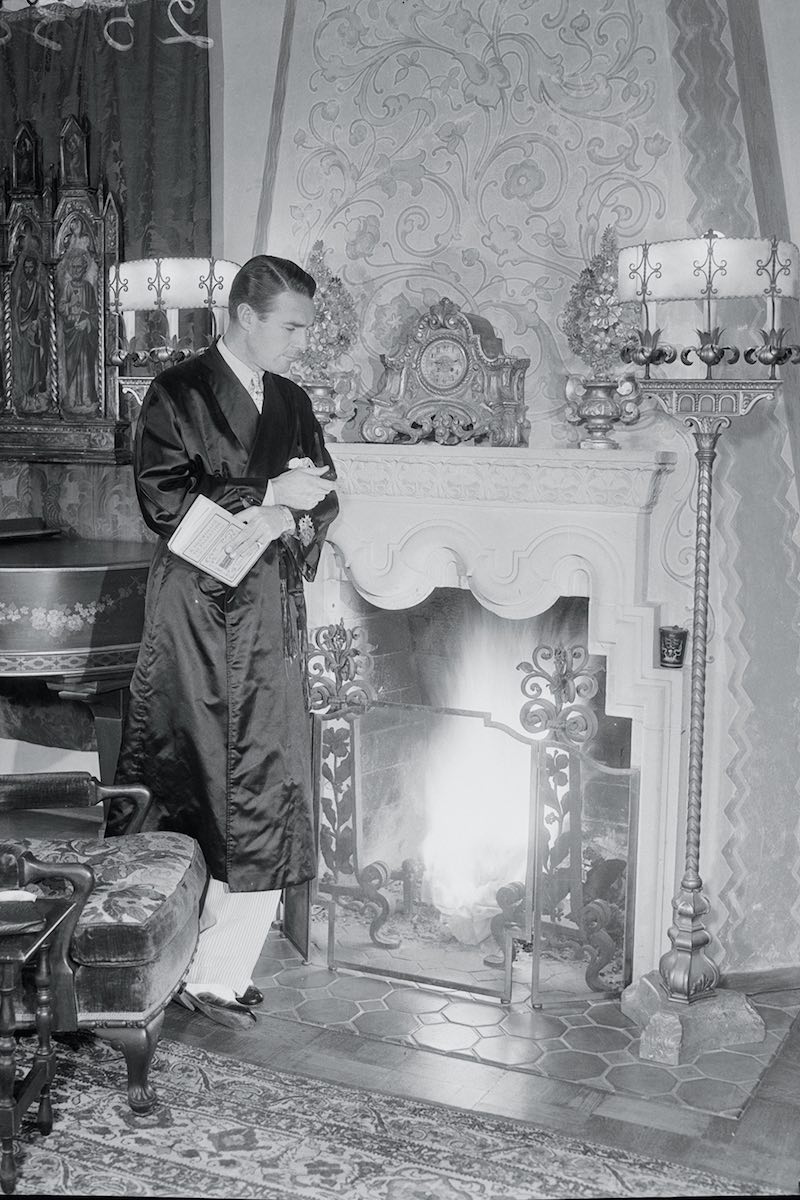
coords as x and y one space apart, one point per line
137 74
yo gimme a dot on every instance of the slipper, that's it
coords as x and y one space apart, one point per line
223 1012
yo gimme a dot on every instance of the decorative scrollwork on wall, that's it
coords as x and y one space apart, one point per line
438 148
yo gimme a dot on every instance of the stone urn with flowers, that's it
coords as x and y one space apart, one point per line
332 334
598 326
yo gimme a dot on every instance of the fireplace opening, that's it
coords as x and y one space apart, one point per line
477 809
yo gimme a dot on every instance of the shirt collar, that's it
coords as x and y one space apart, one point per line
240 369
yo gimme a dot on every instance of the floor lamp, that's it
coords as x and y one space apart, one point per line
678 1006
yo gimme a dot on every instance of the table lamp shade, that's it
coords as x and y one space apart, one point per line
170 283
685 269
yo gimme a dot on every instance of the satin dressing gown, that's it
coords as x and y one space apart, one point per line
218 727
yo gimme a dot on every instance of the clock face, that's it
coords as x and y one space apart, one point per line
443 363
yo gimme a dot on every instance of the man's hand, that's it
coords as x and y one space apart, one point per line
301 487
262 525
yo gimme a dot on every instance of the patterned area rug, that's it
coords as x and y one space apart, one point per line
225 1128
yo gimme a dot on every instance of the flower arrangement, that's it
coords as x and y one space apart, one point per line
335 323
597 324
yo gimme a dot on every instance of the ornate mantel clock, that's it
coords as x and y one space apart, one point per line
451 383
58 390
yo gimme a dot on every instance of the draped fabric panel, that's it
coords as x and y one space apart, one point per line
137 74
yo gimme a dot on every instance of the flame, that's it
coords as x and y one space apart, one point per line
477 785
477 799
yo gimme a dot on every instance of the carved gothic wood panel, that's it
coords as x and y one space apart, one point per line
58 390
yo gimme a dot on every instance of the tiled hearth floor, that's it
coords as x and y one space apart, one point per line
587 1042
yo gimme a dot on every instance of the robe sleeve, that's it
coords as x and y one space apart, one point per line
168 478
305 542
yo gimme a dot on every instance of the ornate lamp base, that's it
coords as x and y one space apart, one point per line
673 1033
678 1007
599 405
323 400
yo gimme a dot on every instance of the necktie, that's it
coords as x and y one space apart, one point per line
256 389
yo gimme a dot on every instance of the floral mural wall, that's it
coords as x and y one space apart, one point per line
477 150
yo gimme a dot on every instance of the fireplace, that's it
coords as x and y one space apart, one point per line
548 550
477 810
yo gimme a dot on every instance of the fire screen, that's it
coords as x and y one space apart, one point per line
458 852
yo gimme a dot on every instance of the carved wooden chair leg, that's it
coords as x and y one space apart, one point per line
8 1169
45 1053
138 1044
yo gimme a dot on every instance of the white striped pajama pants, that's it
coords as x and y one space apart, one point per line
234 927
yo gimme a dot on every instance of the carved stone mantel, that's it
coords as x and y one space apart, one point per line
572 477
496 521
519 529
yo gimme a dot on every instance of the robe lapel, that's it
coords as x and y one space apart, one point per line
234 401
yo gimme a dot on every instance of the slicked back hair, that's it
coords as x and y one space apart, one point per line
262 279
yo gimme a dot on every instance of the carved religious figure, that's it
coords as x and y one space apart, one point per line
24 162
59 398
30 322
74 166
78 331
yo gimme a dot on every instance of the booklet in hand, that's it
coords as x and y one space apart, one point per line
202 539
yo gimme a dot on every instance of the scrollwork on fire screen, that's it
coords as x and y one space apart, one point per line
339 670
583 866
338 663
583 886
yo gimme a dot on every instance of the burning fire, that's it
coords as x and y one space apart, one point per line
478 784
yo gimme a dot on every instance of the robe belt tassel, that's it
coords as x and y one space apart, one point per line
293 616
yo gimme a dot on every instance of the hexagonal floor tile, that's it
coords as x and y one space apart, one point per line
411 1000
325 1010
469 1013
386 1024
278 999
360 987
446 1037
278 947
775 1018
571 1064
609 1014
533 1025
641 1079
507 1051
785 999
736 1068
711 1094
596 1039
306 977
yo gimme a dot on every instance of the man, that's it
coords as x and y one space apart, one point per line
218 728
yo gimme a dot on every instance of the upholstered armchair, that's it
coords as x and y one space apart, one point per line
119 961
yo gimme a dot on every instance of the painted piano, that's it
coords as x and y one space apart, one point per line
71 614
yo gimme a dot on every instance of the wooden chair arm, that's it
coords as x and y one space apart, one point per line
81 876
140 801
55 789
76 789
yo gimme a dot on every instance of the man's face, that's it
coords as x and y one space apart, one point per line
273 342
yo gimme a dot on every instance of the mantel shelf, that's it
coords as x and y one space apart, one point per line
612 479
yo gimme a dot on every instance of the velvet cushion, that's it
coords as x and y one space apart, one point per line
147 891
121 993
